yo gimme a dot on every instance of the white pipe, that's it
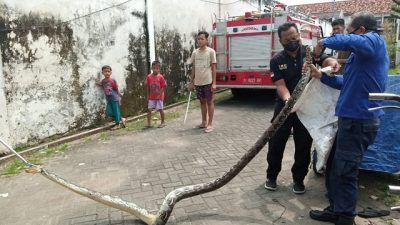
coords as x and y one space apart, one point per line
394 189
150 28
187 107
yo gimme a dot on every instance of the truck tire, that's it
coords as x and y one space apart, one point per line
237 92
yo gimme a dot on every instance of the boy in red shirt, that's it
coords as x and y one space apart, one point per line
156 84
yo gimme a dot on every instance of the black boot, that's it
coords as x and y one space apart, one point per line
344 220
326 215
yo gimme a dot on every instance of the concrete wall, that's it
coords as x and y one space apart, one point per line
47 79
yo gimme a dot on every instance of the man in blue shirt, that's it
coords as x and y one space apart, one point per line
366 72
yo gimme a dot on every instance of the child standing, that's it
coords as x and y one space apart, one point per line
156 84
110 88
203 78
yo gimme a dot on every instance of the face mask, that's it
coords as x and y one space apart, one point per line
354 31
291 46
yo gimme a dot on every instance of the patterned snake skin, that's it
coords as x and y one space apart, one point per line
185 192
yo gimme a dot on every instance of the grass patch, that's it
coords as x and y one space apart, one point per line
172 115
23 147
390 199
104 136
87 139
377 183
52 151
396 70
16 166
141 123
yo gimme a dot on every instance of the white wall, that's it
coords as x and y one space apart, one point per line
4 130
188 16
47 97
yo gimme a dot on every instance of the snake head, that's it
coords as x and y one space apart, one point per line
33 169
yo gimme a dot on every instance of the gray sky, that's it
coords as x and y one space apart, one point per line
298 2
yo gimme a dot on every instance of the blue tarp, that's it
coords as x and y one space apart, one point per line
384 154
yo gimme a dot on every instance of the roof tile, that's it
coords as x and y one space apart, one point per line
348 7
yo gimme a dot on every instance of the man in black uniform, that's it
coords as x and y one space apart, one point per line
287 68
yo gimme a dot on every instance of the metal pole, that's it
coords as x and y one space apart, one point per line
16 153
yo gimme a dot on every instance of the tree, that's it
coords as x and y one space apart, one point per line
396 9
390 36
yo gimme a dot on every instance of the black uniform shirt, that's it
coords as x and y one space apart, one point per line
289 68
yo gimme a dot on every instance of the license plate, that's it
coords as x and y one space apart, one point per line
253 80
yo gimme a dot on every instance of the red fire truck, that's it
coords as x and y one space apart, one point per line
245 44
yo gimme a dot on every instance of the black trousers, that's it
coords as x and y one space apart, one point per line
277 144
328 169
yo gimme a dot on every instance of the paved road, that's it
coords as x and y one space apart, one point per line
144 166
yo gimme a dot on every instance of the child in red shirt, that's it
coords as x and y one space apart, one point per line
156 84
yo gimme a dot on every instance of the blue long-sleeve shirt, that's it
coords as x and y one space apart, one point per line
366 72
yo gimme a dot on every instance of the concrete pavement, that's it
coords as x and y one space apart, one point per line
144 166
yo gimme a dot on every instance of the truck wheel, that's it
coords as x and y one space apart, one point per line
237 92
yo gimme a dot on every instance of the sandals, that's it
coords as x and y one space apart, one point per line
209 129
162 125
201 126
123 122
116 127
371 213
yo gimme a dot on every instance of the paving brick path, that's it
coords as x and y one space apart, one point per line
144 166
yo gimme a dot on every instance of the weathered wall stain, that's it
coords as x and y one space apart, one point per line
19 38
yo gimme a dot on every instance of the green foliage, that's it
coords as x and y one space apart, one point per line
395 70
390 36
134 98
172 54
396 9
